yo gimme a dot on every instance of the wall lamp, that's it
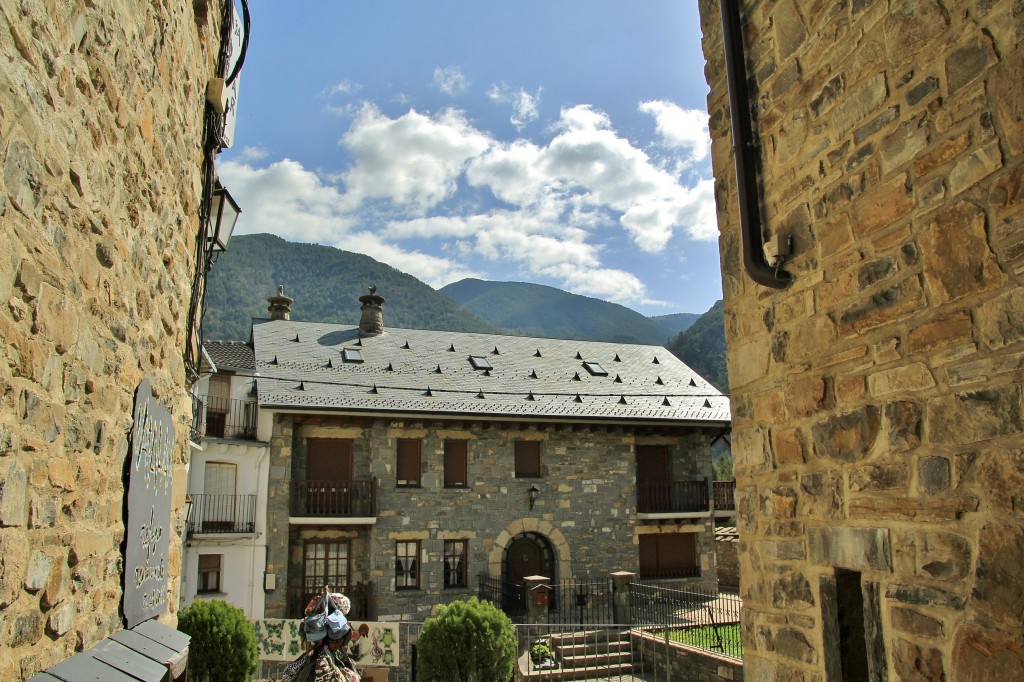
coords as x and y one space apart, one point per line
224 213
533 492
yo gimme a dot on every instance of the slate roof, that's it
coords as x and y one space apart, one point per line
234 355
301 366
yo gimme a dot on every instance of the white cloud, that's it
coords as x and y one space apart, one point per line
679 128
524 105
433 270
562 199
345 87
413 160
252 154
450 80
287 200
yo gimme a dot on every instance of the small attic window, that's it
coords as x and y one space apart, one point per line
479 362
351 355
595 369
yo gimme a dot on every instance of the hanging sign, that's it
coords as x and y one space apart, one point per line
149 509
234 53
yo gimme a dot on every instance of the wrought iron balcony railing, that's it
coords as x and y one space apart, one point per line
227 418
346 499
196 427
725 495
361 595
222 514
672 497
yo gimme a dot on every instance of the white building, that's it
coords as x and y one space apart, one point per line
225 535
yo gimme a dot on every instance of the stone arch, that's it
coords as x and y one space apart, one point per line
559 544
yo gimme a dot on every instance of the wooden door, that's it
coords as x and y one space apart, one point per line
653 478
329 463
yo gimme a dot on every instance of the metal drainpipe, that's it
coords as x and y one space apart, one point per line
746 153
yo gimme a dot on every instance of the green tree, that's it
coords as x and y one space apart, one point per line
467 641
223 647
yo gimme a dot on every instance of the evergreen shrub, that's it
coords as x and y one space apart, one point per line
223 646
467 641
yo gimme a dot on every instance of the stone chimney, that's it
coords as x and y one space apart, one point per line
371 321
280 307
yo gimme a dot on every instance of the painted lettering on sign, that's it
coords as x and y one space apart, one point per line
149 509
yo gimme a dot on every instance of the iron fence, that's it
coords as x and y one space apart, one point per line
222 514
701 618
344 498
594 652
227 418
508 596
362 596
672 497
725 495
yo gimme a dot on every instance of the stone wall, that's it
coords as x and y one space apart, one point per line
680 662
585 508
101 109
877 400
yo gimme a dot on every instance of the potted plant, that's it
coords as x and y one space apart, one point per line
541 655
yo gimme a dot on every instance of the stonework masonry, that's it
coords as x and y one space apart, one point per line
101 108
583 507
877 400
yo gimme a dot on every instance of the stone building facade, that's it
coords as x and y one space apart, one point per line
405 464
101 127
877 396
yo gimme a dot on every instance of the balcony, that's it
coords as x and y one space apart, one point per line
672 498
221 514
226 418
725 496
361 595
333 499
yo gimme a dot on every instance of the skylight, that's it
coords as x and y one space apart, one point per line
479 362
595 369
351 355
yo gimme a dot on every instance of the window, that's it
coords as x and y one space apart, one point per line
455 464
209 573
455 569
408 463
595 369
527 459
407 568
479 362
216 506
324 563
669 555
218 402
351 355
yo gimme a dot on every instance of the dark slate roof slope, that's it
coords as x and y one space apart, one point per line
234 355
329 367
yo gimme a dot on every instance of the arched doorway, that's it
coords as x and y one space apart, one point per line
529 554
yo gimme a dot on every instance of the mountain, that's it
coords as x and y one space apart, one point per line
702 347
325 282
677 322
537 310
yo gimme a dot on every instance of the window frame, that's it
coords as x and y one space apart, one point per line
404 451
479 362
461 571
402 576
340 579
453 468
202 584
527 452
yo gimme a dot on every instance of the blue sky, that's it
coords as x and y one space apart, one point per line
561 142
